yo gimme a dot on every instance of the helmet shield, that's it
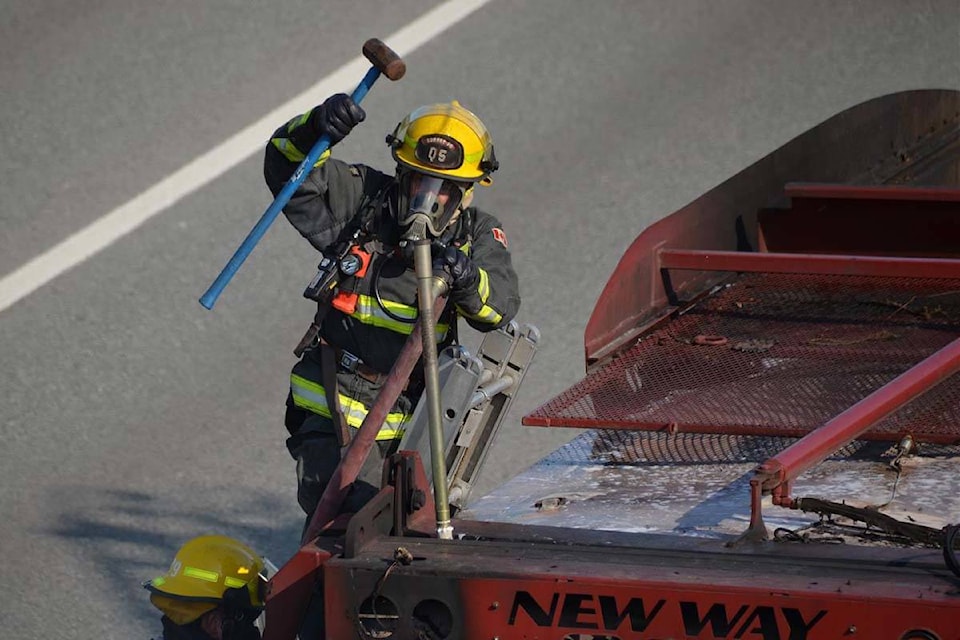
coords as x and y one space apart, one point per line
180 611
429 199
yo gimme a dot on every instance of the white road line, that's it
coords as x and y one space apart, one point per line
206 168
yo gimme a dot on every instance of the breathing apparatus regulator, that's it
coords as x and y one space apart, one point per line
442 151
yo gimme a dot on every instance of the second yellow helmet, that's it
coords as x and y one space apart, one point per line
201 572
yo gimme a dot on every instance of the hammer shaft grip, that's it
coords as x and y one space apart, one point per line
385 61
209 298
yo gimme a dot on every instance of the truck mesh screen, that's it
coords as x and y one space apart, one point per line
778 355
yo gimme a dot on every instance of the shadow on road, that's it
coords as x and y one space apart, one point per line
127 537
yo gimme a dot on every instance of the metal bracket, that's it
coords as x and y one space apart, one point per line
475 394
403 507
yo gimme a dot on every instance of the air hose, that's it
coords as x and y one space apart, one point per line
949 550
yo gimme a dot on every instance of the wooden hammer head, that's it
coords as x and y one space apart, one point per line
384 58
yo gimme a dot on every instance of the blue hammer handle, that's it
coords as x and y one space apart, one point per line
209 298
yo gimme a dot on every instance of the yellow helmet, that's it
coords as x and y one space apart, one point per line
447 141
201 572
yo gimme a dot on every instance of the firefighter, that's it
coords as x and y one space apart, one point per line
212 590
442 152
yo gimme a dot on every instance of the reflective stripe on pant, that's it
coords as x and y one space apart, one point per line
311 396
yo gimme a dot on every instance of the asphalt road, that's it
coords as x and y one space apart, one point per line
132 419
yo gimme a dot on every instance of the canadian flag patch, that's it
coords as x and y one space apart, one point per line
500 236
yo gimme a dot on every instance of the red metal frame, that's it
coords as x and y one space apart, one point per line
919 222
776 474
634 587
842 265
872 192
290 590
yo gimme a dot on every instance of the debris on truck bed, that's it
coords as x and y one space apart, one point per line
699 485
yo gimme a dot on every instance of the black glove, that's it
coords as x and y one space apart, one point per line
463 272
336 117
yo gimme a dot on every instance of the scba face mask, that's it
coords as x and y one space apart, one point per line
428 204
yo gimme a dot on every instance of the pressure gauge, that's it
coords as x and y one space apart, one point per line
350 264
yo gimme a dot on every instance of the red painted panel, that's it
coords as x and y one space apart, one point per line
553 609
839 265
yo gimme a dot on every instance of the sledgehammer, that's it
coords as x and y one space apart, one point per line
384 61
